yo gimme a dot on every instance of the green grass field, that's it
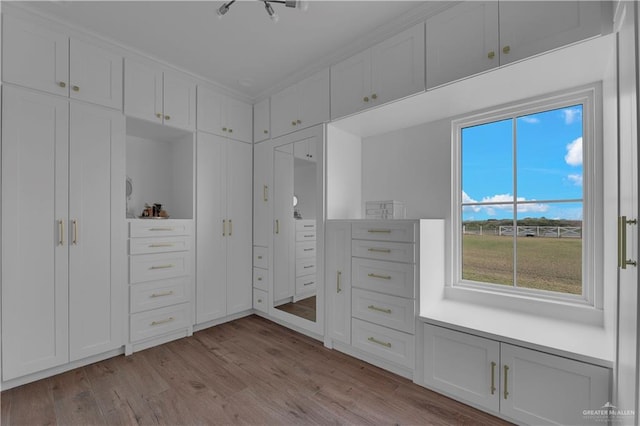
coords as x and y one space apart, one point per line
553 264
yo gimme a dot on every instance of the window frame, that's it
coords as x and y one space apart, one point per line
592 227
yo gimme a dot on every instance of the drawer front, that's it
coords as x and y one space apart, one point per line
390 311
260 300
261 279
260 259
384 230
158 228
396 279
305 267
392 345
306 284
153 267
305 235
158 294
154 323
306 250
159 245
305 225
383 250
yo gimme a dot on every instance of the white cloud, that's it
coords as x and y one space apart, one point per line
575 179
574 153
530 120
491 210
498 198
571 115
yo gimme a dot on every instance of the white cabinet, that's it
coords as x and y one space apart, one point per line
62 240
476 36
261 121
305 150
161 97
224 275
284 232
387 71
525 385
36 57
302 105
338 280
306 259
262 194
225 116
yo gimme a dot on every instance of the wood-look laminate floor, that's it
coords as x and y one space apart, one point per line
250 371
305 308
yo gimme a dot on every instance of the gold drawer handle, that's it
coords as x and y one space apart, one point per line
160 245
506 372
377 250
164 321
308 266
309 236
339 282
162 266
506 50
166 293
309 249
308 226
374 96
265 193
266 132
160 229
60 232
230 227
375 308
379 231
259 257
158 115
167 117
379 342
62 84
75 88
491 55
493 377
259 278
383 277
74 240
309 283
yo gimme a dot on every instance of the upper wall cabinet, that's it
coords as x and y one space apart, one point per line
161 97
261 119
302 105
387 71
36 57
476 36
224 116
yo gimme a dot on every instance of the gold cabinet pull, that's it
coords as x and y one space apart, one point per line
375 308
339 282
158 115
493 377
293 123
383 277
156 245
308 249
266 132
61 232
160 229
164 293
366 99
623 262
277 226
377 250
506 372
265 193
167 266
62 84
309 283
74 241
309 236
224 129
230 130
299 121
224 227
308 266
164 321
506 49
259 300
379 231
259 278
259 257
374 96
491 55
379 342
230 227
75 88
167 117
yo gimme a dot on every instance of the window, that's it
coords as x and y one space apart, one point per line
525 199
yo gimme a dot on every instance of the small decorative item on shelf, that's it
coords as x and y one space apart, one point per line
154 212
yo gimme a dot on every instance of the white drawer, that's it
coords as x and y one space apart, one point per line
260 301
392 278
306 284
305 235
390 311
305 267
306 250
153 267
260 259
159 245
153 323
384 230
261 279
305 225
158 228
157 294
383 250
392 345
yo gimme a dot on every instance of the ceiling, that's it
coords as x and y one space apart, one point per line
244 51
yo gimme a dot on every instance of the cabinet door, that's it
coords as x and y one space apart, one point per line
239 119
338 279
351 85
462 365
262 193
239 247
35 154
142 91
313 93
210 111
284 111
397 66
179 102
211 228
95 75
35 57
261 120
461 41
531 27
96 146
284 237
544 389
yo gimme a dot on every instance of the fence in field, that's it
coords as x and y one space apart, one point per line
527 231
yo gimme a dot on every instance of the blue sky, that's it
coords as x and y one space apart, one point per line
549 166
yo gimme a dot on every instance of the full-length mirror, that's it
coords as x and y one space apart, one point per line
295 244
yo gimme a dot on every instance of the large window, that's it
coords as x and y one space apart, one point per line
525 198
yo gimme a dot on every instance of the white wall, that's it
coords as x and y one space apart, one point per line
344 174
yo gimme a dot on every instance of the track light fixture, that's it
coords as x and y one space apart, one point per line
303 5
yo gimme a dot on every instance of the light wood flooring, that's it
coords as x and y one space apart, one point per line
249 371
305 308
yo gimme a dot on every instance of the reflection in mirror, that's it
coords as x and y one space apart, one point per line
295 234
